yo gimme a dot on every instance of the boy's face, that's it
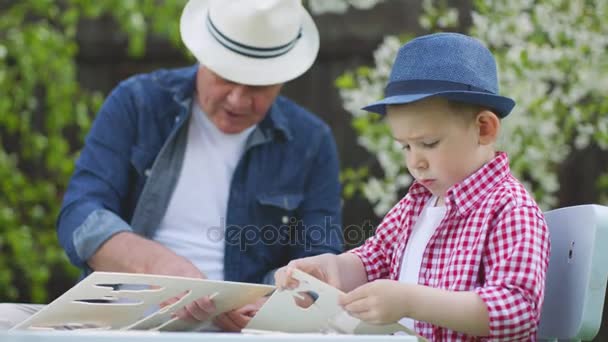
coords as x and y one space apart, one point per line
441 147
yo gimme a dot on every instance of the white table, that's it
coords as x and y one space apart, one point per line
137 336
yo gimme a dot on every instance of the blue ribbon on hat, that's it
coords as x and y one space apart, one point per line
248 50
408 87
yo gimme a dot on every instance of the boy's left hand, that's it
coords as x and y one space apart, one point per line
379 302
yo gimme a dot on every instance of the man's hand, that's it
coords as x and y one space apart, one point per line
196 311
236 320
379 302
131 253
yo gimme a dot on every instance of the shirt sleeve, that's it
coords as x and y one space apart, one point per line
377 251
100 183
515 264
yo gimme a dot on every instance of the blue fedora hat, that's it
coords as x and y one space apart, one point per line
450 65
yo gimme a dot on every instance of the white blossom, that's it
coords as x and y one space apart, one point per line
340 6
552 60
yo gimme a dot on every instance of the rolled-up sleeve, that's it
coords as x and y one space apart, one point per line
93 201
515 263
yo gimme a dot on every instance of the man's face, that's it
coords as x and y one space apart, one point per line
441 147
233 107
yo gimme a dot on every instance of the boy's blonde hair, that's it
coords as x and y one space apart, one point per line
466 110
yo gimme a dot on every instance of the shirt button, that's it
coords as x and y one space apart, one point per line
147 172
176 119
285 219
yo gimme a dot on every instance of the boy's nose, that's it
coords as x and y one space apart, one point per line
417 161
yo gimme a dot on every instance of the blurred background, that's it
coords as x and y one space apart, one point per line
59 58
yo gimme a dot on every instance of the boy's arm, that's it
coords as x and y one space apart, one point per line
508 305
351 272
356 267
344 271
465 312
515 263
387 301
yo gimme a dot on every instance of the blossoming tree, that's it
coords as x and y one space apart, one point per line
551 57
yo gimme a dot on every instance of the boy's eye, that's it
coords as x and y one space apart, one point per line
431 144
405 147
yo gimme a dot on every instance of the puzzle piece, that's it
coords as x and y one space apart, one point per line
127 301
281 313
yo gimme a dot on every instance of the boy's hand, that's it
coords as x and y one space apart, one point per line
379 302
323 267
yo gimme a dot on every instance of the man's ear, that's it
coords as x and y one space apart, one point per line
488 125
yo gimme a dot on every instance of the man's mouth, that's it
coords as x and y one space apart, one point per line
232 114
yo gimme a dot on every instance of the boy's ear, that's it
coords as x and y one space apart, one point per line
488 125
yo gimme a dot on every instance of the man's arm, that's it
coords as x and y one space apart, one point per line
91 226
320 214
93 201
129 252
321 208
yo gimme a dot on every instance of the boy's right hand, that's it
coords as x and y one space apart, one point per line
323 267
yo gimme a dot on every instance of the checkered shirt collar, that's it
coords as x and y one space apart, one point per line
466 195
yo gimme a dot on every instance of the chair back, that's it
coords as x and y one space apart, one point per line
577 274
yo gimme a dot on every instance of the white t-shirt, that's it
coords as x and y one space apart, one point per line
425 226
194 223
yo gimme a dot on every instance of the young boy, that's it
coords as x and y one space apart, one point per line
463 256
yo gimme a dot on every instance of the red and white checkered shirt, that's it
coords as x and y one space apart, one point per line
493 240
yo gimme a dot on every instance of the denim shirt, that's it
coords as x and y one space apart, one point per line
284 200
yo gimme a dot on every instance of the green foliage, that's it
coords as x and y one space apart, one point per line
44 115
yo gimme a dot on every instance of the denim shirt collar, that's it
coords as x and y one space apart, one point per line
183 87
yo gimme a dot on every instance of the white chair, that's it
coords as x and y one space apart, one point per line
577 274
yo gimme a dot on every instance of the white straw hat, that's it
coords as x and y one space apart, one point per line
253 42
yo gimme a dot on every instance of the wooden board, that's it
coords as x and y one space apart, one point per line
125 301
281 313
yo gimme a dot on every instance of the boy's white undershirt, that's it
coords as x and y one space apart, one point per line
425 226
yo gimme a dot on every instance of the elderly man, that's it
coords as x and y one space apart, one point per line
206 171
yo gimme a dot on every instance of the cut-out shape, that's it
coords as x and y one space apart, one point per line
305 299
281 313
71 326
132 287
110 300
97 302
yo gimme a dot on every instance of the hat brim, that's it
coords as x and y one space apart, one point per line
500 104
243 69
